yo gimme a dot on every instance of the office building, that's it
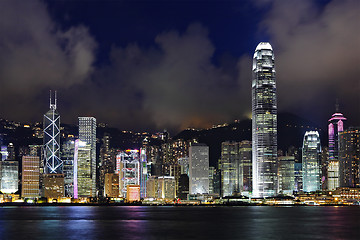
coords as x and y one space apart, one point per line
311 153
245 167
183 187
335 127
9 176
51 156
132 193
152 187
67 156
230 168
349 157
87 134
83 182
199 169
166 187
106 163
111 185
129 169
30 177
286 175
53 186
264 122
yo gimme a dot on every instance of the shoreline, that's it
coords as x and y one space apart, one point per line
11 204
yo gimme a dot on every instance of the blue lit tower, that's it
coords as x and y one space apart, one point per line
311 151
52 161
264 122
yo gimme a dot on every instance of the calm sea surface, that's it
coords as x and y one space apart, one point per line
142 222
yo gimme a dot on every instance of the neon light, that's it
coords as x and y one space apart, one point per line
75 168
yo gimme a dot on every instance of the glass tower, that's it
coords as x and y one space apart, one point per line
230 168
264 122
52 161
311 152
336 126
349 157
198 169
87 134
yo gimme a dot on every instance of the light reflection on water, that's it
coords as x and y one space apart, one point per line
140 222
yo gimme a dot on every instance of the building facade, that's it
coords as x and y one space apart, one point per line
87 133
264 122
51 146
287 175
129 170
30 177
9 176
245 166
311 162
349 157
83 184
199 169
336 126
230 158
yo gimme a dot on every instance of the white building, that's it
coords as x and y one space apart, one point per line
198 169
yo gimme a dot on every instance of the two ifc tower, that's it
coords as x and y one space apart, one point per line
264 122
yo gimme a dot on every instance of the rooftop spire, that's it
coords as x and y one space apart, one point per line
53 105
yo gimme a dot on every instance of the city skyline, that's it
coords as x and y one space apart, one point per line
182 73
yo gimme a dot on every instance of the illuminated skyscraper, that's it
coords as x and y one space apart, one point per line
264 122
230 168
67 156
311 152
30 177
87 134
9 172
245 167
83 184
336 126
199 169
349 157
286 174
52 161
128 165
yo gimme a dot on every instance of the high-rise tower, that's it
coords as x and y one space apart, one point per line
264 122
336 126
52 161
311 152
87 134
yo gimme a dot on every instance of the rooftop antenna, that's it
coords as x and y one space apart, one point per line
337 108
53 106
55 98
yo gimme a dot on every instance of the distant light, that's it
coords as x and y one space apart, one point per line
132 150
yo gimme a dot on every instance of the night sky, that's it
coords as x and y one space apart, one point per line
154 65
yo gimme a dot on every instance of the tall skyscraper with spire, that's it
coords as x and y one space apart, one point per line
335 127
52 161
264 122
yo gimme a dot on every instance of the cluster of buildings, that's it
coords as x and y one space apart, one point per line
85 168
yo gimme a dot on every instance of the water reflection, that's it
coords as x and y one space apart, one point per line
139 222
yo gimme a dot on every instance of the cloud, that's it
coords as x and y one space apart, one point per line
317 54
37 55
172 85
